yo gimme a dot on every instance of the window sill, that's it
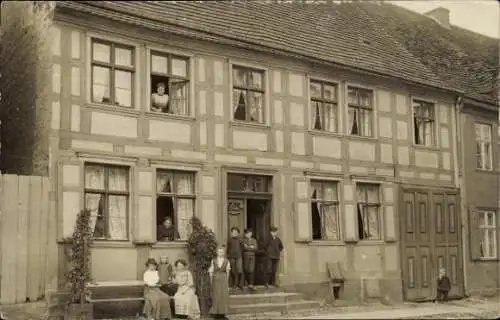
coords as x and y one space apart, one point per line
486 259
361 138
170 116
420 146
109 107
325 133
326 243
168 245
236 123
371 242
486 171
112 244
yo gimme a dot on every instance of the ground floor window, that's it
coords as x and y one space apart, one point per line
175 201
107 197
324 210
488 234
368 211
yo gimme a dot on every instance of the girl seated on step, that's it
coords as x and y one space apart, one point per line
186 300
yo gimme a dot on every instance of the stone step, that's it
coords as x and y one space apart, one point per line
117 308
283 308
256 298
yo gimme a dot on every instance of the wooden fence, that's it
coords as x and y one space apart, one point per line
24 233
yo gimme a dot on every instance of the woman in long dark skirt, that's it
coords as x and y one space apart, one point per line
219 276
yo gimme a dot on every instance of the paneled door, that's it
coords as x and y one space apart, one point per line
430 240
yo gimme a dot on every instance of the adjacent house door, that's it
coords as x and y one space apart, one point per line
430 240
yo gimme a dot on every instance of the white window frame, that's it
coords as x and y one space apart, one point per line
486 229
379 206
336 203
337 102
432 119
483 139
373 110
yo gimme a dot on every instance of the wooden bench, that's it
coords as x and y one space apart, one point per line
337 279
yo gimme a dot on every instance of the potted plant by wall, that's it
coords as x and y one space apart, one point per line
79 307
202 248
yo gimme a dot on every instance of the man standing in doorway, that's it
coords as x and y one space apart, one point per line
273 251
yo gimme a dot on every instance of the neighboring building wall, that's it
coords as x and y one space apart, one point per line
482 194
211 145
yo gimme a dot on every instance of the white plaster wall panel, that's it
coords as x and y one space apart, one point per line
56 115
358 170
298 143
144 224
219 135
218 72
303 217
142 150
113 125
208 216
348 192
201 69
75 44
403 156
445 137
269 162
446 160
350 222
278 111
383 100
202 102
169 131
279 140
402 130
330 167
391 258
71 175
75 118
249 140
277 82
219 104
327 147
56 78
361 151
426 159
203 133
296 85
186 154
92 145
75 81
146 181
70 209
301 190
385 127
296 114
384 172
55 36
401 104
445 177
230 158
427 176
390 223
386 153
444 111
388 194
301 164
208 185
406 174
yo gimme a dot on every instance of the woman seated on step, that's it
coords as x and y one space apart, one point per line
186 301
156 302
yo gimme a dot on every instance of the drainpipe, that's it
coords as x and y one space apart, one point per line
457 134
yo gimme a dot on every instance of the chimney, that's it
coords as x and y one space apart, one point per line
440 15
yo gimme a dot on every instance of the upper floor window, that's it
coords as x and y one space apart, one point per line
325 210
368 201
107 197
113 70
488 234
483 146
248 94
169 83
360 111
423 123
324 106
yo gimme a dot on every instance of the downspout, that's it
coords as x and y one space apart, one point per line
459 173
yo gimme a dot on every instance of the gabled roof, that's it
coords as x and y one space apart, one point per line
368 36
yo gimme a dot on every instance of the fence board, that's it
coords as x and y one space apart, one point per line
2 242
23 199
44 227
34 237
52 249
9 235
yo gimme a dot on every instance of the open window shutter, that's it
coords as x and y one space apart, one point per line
302 210
475 234
143 215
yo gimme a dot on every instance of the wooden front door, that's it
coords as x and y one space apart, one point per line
430 239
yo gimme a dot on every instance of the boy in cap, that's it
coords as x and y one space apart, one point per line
273 250
443 286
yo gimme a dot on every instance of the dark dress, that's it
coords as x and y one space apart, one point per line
220 288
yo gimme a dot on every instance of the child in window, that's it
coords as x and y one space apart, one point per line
219 271
443 286
249 247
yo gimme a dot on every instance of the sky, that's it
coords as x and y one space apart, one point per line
481 16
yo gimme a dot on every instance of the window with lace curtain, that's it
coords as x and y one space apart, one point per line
368 211
175 201
360 111
248 94
323 106
488 234
325 210
107 197
423 123
483 146
113 68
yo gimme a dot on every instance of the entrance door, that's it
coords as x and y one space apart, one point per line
430 240
258 219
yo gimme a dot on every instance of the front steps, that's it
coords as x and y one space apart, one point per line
125 299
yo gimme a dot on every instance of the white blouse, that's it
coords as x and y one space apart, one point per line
151 277
219 262
159 101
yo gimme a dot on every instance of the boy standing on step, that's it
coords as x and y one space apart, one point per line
273 251
235 257
443 286
249 247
